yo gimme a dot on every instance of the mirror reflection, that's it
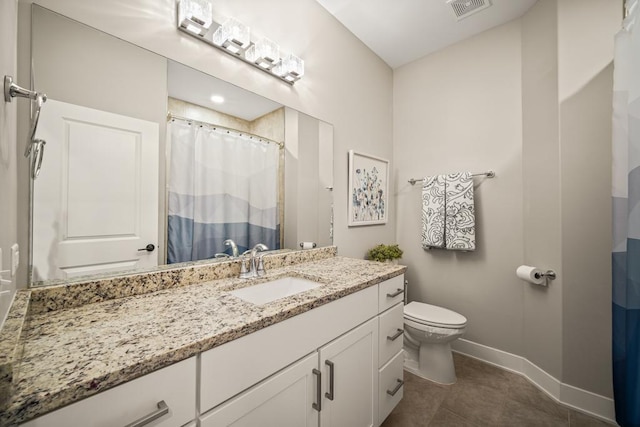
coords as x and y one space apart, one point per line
149 162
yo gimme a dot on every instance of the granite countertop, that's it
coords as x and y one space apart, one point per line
76 352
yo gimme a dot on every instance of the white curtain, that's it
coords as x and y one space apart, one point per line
222 185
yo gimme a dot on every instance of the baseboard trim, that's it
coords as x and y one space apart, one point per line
581 400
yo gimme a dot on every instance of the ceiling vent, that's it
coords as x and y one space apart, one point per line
465 8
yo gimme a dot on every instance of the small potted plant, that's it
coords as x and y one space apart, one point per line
384 253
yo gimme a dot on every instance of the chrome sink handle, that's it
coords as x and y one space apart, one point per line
222 255
260 268
256 266
255 262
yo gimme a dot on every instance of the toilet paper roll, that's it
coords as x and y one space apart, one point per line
307 245
530 274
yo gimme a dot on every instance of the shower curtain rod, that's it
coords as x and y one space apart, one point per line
171 116
488 174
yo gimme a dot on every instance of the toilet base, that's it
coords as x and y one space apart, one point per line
435 363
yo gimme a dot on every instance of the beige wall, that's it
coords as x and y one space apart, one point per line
8 149
455 110
585 45
270 126
532 100
542 310
345 83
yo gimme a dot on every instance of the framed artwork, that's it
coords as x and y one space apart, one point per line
368 189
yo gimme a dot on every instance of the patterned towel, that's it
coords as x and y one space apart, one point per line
433 213
448 213
460 227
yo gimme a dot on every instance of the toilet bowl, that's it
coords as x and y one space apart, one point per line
428 333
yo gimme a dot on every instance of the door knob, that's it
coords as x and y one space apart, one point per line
149 248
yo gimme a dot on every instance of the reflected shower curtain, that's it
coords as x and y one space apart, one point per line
626 221
222 185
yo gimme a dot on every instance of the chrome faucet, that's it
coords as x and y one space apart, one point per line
256 266
234 247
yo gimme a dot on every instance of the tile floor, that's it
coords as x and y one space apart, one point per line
484 395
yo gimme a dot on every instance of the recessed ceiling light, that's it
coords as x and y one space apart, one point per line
217 99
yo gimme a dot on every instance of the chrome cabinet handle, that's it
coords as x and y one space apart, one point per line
396 293
395 390
314 405
162 410
149 248
329 394
396 335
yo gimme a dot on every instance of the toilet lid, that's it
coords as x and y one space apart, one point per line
433 315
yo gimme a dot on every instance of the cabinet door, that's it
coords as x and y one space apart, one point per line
349 368
285 399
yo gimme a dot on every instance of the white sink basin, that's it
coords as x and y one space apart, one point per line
270 291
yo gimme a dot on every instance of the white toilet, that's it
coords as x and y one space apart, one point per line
428 333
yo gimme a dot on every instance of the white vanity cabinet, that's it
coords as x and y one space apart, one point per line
174 385
334 386
320 368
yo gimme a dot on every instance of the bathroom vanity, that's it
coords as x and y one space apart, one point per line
196 353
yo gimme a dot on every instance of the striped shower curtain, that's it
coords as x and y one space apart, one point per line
222 185
626 221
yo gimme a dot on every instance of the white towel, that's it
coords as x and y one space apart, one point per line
460 230
433 212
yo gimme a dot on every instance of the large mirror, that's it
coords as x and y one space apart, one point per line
148 162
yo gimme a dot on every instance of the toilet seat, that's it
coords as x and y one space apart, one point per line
432 315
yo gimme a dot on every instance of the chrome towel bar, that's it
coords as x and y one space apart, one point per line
488 174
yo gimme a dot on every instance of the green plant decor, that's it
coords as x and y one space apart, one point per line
384 252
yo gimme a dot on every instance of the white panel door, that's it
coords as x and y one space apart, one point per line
96 198
350 365
284 400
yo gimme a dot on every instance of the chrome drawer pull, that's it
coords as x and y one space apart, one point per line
396 293
318 406
329 394
395 390
162 410
396 335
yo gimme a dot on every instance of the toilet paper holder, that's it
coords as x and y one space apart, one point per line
549 274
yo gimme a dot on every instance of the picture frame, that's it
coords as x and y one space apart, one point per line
368 190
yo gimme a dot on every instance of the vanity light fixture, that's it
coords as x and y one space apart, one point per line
195 17
264 53
290 68
233 36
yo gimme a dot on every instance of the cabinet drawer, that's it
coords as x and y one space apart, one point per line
124 404
391 292
391 331
390 382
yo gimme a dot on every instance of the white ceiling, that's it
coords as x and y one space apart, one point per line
196 87
401 31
